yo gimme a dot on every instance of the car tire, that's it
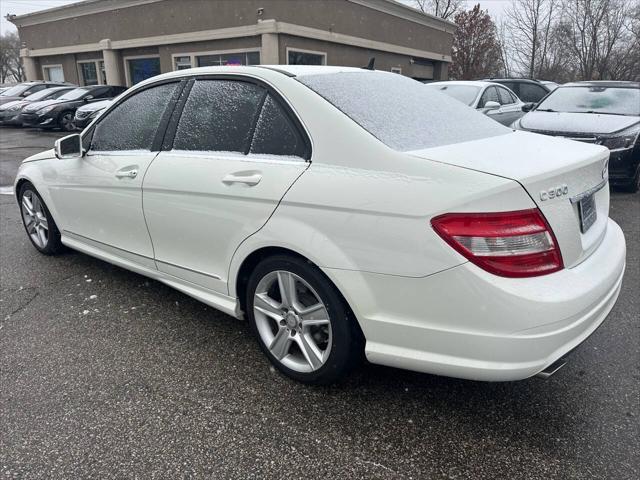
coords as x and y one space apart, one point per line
65 121
38 222
311 336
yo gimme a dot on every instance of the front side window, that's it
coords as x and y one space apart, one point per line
219 116
133 123
489 95
401 112
275 134
505 96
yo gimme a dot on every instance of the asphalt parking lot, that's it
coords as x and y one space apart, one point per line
107 374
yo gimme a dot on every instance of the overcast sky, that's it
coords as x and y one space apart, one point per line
20 7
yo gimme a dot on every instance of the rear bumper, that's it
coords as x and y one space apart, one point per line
467 323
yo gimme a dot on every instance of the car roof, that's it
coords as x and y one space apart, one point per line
473 83
522 80
603 83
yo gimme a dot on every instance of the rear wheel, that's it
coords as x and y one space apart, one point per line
38 222
301 322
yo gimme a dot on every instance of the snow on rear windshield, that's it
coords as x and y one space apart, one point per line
401 112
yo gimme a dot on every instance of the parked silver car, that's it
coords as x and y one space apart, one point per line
492 99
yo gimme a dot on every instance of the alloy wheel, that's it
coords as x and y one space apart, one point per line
292 321
35 219
66 122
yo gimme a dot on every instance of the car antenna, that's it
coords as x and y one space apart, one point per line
370 64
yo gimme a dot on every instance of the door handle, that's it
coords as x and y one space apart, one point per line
248 178
130 173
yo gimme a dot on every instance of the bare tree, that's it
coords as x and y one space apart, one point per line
10 65
440 8
529 25
476 49
599 35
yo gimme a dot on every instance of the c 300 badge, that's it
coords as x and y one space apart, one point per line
555 192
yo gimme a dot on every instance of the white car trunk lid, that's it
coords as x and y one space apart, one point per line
555 172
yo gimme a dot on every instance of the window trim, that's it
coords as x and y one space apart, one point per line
162 126
45 74
301 50
126 60
277 96
192 55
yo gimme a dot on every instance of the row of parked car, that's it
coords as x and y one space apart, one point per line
600 112
54 105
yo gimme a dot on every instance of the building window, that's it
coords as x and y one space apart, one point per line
89 73
229 59
92 72
305 57
396 70
140 69
182 63
53 73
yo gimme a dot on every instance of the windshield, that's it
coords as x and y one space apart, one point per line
401 112
464 93
14 91
590 99
74 94
34 97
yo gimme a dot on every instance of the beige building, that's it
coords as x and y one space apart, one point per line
122 42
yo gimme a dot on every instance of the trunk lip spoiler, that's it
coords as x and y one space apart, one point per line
589 192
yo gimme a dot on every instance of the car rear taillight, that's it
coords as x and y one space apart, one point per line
509 244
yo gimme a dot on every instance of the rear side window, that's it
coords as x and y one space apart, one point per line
132 125
219 115
275 134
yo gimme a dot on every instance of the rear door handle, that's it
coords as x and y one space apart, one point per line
127 173
248 178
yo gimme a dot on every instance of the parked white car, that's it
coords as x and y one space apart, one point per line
337 207
492 99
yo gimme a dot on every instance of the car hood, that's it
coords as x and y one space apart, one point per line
44 103
541 164
4 100
15 103
93 106
576 123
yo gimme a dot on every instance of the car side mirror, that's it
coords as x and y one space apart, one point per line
491 105
69 146
25 94
527 107
88 98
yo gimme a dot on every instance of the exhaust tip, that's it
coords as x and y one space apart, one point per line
551 369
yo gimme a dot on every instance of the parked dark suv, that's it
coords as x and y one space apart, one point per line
22 90
59 113
527 90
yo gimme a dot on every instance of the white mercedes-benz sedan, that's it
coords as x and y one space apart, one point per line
342 210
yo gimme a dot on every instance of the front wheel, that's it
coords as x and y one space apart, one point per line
301 322
65 122
38 222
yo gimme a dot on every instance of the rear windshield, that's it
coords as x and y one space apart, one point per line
590 99
464 93
401 112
